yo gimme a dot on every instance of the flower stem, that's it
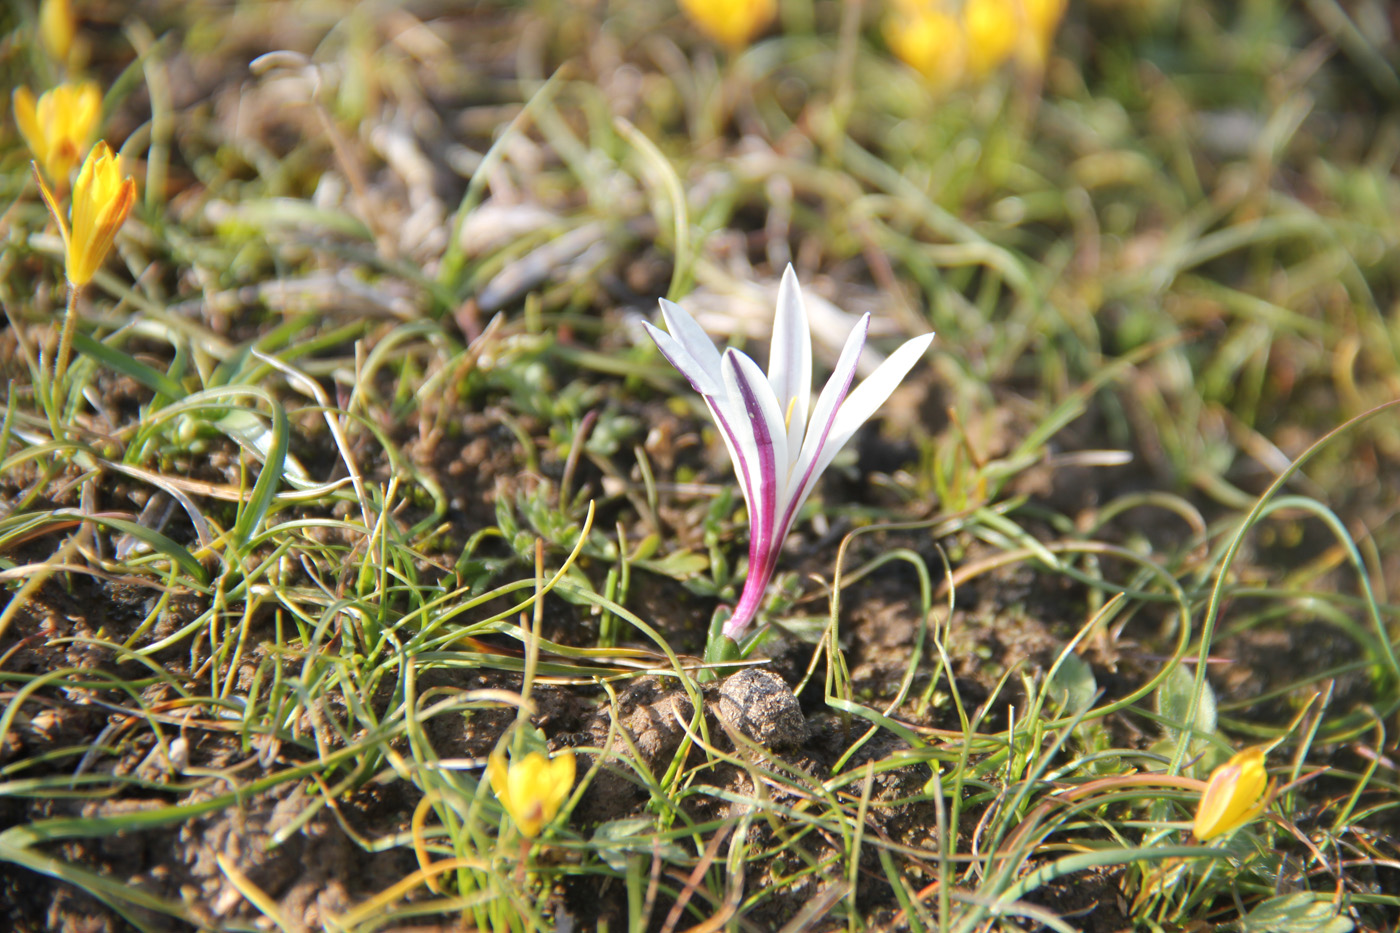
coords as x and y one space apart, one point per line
720 648
65 344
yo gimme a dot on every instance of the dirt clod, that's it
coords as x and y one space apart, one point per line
757 704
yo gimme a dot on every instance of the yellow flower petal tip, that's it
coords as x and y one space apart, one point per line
734 23
929 40
102 199
57 28
946 42
532 789
1237 792
993 28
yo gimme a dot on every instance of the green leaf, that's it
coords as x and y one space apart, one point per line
1174 700
269 480
678 565
253 433
153 539
1299 912
1073 687
617 839
112 358
268 214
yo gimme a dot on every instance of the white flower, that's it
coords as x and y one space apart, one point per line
779 448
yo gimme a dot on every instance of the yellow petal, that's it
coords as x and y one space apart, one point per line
87 110
111 216
1236 793
497 772
991 27
532 789
561 779
56 28
102 199
930 41
28 121
1042 19
732 22
52 204
63 155
59 126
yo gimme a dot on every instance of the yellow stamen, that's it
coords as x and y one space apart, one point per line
792 406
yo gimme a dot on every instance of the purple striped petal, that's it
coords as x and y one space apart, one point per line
751 395
807 470
702 380
754 409
741 447
709 383
867 397
692 337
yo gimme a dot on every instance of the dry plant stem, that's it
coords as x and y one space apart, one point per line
522 864
65 346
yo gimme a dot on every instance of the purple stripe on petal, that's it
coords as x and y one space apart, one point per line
736 451
767 466
865 398
763 545
700 379
828 407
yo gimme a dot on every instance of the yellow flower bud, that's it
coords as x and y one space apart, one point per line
102 199
59 126
732 22
56 28
1236 793
993 28
928 39
533 789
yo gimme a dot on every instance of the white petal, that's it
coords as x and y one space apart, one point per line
790 358
739 440
702 380
752 399
805 471
691 336
733 429
869 396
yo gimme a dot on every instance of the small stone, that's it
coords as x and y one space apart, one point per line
759 705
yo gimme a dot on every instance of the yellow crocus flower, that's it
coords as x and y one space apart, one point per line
928 39
1236 793
102 199
732 22
1042 19
993 28
59 126
532 789
57 28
